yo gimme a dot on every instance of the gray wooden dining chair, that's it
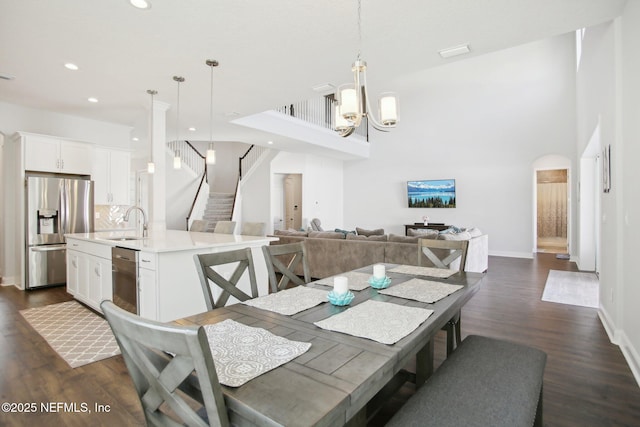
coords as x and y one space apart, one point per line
161 359
225 227
442 253
283 260
199 225
204 264
253 229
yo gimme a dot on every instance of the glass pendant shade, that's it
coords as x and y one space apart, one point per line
348 100
388 108
211 156
177 161
151 167
341 124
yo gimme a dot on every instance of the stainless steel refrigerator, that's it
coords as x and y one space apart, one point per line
56 205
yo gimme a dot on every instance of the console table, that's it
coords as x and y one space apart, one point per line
438 227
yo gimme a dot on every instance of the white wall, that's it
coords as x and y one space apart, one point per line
322 186
15 118
483 122
629 175
609 97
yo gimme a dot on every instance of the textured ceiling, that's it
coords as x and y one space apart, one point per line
271 52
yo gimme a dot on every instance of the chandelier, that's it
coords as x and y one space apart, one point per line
353 100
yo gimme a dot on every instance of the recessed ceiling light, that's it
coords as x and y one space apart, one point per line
140 4
454 51
71 66
270 142
192 129
135 138
92 99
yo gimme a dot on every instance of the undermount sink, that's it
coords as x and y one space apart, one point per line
122 238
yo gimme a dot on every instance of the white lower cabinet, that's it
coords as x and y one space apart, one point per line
89 273
147 285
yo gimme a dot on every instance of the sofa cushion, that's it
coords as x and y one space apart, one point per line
372 238
425 233
404 239
474 232
290 233
463 235
326 235
365 232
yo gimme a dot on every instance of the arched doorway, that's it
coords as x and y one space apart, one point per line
552 205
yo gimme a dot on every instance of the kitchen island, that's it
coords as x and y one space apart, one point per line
168 283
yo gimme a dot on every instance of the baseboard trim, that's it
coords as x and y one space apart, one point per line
511 254
608 324
631 355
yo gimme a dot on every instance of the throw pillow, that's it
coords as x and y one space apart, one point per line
464 235
425 233
365 232
406 239
345 232
474 232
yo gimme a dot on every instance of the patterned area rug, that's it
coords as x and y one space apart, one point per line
77 334
570 287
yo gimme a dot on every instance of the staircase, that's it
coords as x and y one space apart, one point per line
219 208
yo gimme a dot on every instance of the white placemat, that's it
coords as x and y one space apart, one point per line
357 280
415 270
421 290
290 301
384 322
242 353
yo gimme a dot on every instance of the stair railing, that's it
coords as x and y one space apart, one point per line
197 162
319 112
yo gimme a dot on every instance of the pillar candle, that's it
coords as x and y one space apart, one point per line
378 271
340 285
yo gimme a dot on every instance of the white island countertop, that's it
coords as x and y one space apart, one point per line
169 240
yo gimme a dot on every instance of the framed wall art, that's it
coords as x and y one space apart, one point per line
606 169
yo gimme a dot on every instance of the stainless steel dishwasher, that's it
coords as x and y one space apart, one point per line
124 265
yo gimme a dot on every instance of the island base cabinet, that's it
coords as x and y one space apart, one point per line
88 276
147 294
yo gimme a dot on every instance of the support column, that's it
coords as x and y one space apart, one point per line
158 180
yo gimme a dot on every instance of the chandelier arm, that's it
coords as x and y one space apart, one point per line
368 112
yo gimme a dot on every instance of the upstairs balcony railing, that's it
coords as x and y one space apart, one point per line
319 112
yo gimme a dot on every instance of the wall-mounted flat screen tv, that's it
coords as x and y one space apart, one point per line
433 193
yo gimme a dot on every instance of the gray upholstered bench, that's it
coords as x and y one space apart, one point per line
485 382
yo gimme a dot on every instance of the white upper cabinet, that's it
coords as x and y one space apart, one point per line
111 176
47 154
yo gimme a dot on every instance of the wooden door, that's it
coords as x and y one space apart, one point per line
293 201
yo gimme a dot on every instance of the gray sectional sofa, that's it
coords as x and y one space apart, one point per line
330 253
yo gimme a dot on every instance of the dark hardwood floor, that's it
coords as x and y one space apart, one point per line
587 381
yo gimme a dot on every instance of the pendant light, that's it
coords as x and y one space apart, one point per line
211 152
151 167
353 100
177 161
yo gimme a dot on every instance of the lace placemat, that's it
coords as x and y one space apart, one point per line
242 353
384 322
290 301
414 270
421 290
357 280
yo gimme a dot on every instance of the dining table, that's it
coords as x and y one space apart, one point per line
332 382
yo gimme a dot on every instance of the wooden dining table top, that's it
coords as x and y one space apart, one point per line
333 381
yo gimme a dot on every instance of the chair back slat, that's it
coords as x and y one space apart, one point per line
163 358
283 260
443 252
206 273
